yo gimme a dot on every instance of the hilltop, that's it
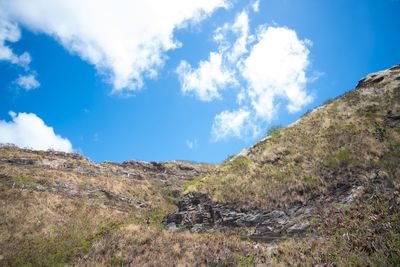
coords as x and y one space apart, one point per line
324 191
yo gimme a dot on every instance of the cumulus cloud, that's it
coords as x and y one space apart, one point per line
269 68
205 81
232 124
276 68
27 82
126 40
29 131
215 74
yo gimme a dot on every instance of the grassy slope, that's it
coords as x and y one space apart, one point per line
342 141
351 140
56 216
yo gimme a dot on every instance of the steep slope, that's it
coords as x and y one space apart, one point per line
323 191
333 173
340 142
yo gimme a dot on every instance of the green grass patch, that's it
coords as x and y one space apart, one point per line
342 158
24 181
169 196
191 183
311 183
244 260
238 164
56 250
117 260
155 217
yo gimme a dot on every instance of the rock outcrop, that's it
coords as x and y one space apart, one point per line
198 213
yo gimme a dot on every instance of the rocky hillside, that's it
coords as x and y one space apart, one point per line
321 192
332 178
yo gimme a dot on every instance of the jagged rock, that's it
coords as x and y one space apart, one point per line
21 161
354 193
198 213
172 227
298 227
393 120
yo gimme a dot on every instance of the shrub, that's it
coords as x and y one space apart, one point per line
343 158
274 130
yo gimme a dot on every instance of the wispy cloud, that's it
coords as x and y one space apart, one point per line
10 33
27 82
229 124
256 6
192 144
207 80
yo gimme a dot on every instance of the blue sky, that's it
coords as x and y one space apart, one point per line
150 89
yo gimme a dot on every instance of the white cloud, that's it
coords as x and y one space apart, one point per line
29 131
240 97
269 67
205 81
126 40
239 31
232 124
216 73
276 69
192 144
256 6
27 82
10 33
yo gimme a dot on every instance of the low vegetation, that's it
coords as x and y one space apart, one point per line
364 233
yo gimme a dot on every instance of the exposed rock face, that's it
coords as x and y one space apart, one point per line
198 213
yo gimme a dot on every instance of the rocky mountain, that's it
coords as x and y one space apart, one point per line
324 191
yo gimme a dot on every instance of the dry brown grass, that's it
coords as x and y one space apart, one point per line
136 245
364 233
44 229
339 142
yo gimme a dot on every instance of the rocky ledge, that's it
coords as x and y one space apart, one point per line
198 213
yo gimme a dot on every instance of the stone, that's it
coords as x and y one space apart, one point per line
198 213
